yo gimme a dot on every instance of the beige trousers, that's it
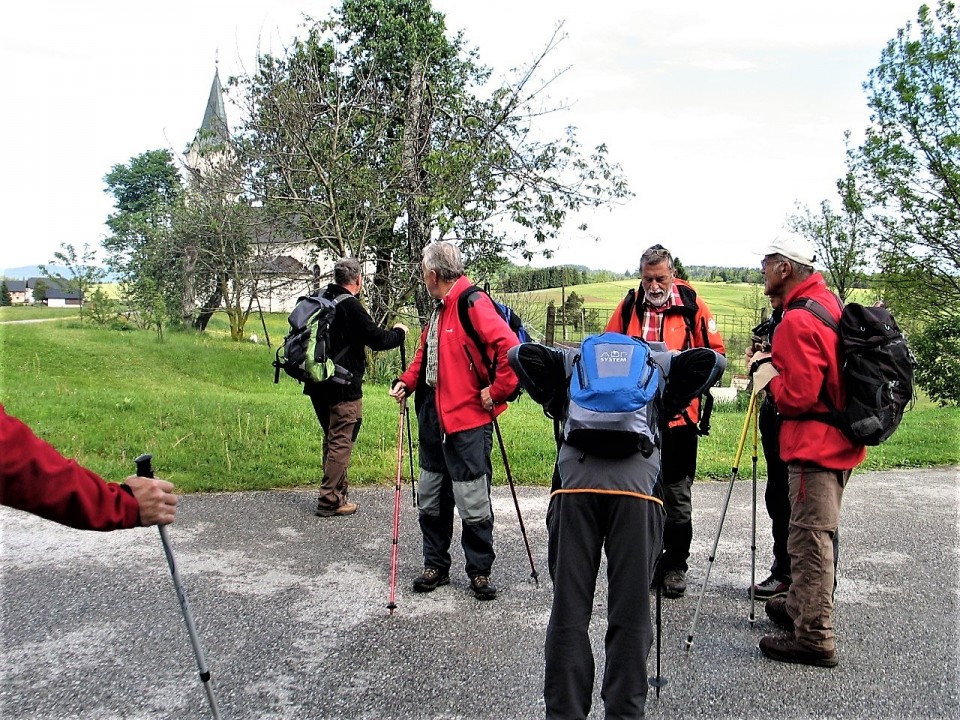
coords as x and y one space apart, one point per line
815 496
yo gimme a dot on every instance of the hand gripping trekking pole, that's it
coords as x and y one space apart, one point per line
145 469
751 417
516 502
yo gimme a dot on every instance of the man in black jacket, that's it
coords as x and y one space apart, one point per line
339 405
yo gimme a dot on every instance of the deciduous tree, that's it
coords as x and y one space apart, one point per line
141 249
841 239
84 272
908 165
378 132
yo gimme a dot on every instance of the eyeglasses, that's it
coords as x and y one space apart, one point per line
775 261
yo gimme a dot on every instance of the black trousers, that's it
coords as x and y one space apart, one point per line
455 472
777 495
679 468
628 530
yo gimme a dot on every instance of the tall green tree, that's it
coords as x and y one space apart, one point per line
6 300
378 131
908 166
216 229
141 249
841 239
84 271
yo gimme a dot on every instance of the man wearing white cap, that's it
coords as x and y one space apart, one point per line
803 367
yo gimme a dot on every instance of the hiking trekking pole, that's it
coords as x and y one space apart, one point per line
145 469
658 681
751 412
395 547
406 415
752 618
516 502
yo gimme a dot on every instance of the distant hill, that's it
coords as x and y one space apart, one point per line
29 271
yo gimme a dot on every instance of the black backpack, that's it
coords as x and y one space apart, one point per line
509 316
877 370
305 352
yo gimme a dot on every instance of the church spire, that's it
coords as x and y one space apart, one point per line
211 145
215 116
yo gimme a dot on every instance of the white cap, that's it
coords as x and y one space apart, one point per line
792 246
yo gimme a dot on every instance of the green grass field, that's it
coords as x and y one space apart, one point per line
36 312
207 409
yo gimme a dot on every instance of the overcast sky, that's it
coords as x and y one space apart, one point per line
722 114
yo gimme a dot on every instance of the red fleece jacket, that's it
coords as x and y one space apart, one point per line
36 478
806 354
460 369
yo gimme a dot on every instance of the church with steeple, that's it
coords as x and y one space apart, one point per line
281 263
211 145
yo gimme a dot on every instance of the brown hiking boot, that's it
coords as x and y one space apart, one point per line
786 648
776 609
483 588
430 579
347 508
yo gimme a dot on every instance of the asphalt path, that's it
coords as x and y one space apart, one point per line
291 611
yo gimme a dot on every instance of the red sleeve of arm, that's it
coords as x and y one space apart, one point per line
496 334
36 478
411 375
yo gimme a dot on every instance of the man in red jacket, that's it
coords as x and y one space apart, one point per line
803 367
36 478
456 406
667 309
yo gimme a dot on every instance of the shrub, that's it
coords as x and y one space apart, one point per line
937 349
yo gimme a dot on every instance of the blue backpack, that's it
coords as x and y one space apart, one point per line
509 316
614 400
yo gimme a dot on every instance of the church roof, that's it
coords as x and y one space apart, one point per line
215 116
213 136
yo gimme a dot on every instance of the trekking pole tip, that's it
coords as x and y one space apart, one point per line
689 643
657 681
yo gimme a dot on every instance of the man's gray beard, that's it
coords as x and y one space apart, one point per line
656 303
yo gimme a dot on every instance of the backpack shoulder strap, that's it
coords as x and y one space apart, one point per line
690 308
463 307
627 308
815 308
336 302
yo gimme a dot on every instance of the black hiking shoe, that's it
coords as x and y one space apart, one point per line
431 579
674 583
483 588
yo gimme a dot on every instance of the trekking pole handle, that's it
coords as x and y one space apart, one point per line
144 465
